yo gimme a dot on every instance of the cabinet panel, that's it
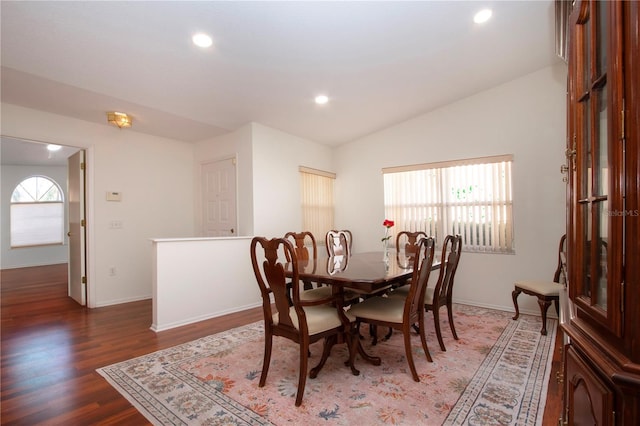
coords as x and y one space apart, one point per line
597 148
590 401
602 359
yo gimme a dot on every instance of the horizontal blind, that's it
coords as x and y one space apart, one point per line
36 224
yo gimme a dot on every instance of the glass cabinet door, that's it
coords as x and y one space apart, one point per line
596 151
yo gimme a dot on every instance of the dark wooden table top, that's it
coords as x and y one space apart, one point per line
366 272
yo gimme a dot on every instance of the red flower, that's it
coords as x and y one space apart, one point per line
388 223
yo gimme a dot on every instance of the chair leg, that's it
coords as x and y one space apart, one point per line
423 338
302 378
514 295
267 358
353 347
436 322
389 334
544 306
373 332
450 314
407 349
556 302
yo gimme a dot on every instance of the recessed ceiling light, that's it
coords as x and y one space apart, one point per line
482 16
202 40
53 148
322 99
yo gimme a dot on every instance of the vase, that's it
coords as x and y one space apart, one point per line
385 251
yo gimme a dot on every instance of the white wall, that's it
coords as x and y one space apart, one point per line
276 178
188 288
155 176
524 117
28 256
235 144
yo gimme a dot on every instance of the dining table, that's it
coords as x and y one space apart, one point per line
367 273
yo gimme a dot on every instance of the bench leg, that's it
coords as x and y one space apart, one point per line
514 296
544 306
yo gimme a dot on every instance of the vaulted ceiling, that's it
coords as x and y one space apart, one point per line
380 63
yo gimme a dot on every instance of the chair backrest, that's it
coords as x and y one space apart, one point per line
349 239
268 258
408 241
337 243
561 249
302 242
422 263
451 249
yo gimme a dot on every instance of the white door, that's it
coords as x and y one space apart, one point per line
76 234
219 198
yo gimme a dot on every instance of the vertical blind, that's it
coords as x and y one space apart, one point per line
317 201
472 198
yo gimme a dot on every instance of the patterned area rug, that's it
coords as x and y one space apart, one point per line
496 374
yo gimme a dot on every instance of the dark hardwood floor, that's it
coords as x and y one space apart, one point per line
51 348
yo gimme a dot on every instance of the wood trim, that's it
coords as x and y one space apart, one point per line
451 163
317 172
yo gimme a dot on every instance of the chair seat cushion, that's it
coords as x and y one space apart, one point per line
404 292
319 318
400 291
323 292
326 292
388 309
543 288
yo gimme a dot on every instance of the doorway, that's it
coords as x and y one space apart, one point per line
31 156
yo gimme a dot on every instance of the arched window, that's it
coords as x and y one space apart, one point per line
37 213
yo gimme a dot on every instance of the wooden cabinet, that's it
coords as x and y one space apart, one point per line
602 357
590 401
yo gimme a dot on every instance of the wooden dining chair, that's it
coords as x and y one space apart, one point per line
407 244
407 241
400 313
337 243
442 294
304 243
545 291
303 322
305 248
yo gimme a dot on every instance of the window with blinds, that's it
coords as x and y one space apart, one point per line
472 198
317 201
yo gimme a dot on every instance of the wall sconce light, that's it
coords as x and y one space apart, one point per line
120 119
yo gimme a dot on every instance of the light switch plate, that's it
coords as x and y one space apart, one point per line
114 196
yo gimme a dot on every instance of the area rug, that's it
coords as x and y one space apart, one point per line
496 374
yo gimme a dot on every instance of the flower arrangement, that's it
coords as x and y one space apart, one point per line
385 240
387 224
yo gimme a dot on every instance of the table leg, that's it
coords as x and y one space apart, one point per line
326 351
356 347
